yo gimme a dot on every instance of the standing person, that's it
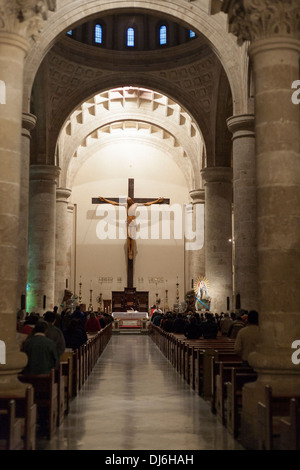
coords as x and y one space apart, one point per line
92 324
209 327
248 337
78 315
65 318
75 335
55 333
192 329
225 323
40 350
58 317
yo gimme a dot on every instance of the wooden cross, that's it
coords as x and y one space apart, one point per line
146 201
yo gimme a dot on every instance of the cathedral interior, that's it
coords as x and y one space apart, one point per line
199 102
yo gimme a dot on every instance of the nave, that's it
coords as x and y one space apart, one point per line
135 400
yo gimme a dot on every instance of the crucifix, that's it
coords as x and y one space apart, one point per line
131 204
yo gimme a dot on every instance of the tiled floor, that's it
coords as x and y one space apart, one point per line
135 400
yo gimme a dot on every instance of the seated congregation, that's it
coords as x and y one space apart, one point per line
61 352
211 352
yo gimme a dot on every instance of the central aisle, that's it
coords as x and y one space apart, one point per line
135 400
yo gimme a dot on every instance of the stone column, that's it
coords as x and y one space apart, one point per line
62 245
188 276
12 52
70 249
274 31
244 206
17 23
41 249
197 247
218 233
28 123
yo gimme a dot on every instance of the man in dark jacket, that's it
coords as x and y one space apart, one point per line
55 333
41 351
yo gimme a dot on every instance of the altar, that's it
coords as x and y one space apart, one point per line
132 315
130 321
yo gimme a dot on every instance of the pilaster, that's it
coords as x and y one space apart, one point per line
42 231
62 245
244 209
218 234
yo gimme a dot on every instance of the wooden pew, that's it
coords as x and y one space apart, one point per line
67 377
222 377
270 413
10 428
234 398
289 428
60 381
75 373
203 366
46 399
26 410
224 353
187 355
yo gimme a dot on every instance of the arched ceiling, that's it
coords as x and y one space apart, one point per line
135 114
197 74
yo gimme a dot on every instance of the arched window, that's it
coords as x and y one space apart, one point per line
192 34
163 35
98 34
130 37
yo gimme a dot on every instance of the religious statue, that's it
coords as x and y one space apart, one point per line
202 297
202 291
131 207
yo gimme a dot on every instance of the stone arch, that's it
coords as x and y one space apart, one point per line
169 119
213 28
157 85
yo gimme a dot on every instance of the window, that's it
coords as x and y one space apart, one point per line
130 37
163 35
98 34
192 34
70 32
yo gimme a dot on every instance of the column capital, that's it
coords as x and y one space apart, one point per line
28 121
217 174
197 196
251 20
241 125
63 194
24 17
44 172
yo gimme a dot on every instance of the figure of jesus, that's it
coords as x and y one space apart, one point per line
131 207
